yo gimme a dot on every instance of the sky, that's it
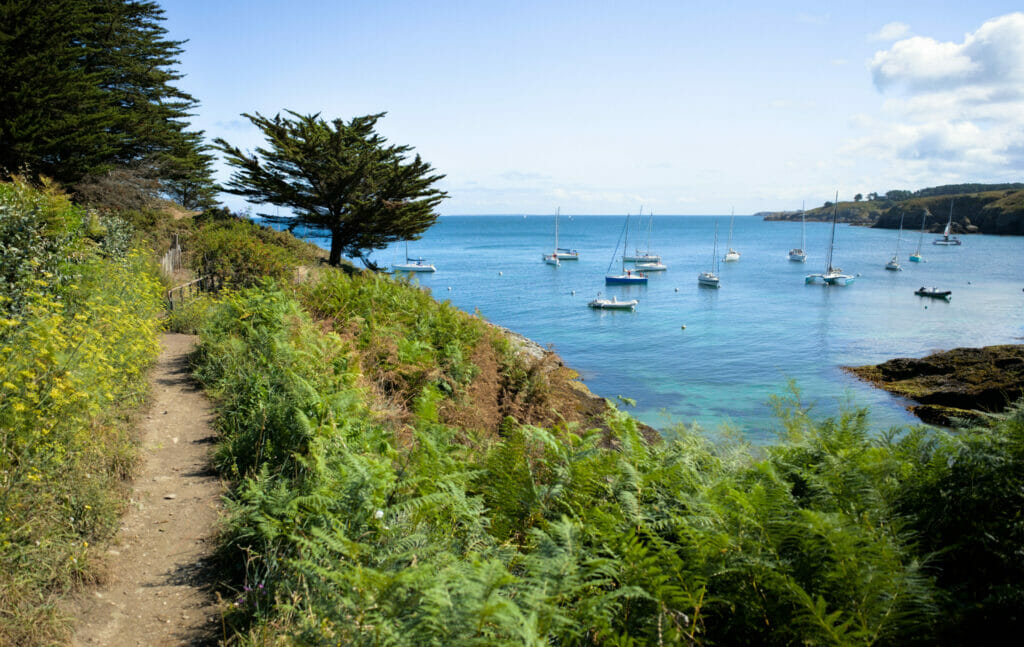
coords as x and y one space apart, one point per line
682 107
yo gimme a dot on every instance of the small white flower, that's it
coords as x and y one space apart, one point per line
378 514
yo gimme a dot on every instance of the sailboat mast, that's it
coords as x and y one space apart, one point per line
949 223
899 236
835 216
556 229
732 214
803 228
625 243
714 252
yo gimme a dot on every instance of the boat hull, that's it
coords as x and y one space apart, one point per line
915 258
642 258
933 293
413 268
651 267
797 256
613 304
732 256
708 280
946 241
626 279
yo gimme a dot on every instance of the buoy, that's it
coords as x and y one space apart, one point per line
677 289
683 327
449 288
500 273
573 293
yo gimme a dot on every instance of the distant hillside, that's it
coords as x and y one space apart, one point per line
858 213
993 211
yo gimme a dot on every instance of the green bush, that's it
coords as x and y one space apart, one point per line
244 253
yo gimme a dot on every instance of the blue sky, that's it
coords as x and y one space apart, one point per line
599 107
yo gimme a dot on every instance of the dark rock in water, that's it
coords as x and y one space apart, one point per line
963 383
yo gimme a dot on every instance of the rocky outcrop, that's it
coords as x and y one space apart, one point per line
992 212
955 384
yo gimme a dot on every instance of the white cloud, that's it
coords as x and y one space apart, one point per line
954 109
892 31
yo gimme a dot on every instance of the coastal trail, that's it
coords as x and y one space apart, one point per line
158 590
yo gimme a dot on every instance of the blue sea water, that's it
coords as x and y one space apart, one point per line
744 342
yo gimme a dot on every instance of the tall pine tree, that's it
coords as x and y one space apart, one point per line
87 86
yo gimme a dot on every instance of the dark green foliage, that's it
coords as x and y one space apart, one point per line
342 178
965 501
86 87
243 253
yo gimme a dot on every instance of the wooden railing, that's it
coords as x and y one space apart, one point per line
181 295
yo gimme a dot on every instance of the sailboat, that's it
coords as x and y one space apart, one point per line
655 265
732 254
894 264
710 278
916 256
946 238
797 253
552 258
412 264
642 256
831 275
628 277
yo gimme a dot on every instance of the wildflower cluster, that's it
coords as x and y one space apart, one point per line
75 341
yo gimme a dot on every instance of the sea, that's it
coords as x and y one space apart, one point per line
716 358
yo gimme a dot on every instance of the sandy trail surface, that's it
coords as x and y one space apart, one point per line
158 591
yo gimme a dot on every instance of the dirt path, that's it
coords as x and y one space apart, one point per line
157 592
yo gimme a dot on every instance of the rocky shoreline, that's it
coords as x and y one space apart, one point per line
958 384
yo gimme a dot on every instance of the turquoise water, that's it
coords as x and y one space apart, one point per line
743 342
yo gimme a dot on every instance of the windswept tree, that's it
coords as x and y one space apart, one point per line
340 178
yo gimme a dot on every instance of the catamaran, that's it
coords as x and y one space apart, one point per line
797 253
894 262
916 256
831 275
946 238
412 264
709 278
628 277
732 254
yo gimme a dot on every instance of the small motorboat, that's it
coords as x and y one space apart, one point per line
934 293
612 304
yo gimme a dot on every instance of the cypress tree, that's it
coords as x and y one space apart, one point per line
87 86
339 178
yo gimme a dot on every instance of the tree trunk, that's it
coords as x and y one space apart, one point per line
335 258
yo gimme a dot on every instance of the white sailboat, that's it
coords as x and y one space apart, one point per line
832 275
732 254
651 265
643 256
628 277
412 264
946 238
916 256
797 253
552 258
894 263
710 278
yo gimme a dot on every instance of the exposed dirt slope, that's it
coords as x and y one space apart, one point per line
157 591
